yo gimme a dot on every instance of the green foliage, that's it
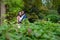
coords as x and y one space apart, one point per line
53 18
40 30
56 3
13 7
51 15
49 12
30 6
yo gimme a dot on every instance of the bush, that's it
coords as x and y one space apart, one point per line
39 30
52 15
49 12
53 18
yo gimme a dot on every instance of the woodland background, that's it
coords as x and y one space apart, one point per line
42 23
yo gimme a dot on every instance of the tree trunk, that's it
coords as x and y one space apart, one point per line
2 11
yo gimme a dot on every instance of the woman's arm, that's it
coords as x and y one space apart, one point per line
17 19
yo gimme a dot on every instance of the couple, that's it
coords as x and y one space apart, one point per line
21 16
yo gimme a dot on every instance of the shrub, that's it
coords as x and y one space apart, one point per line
39 30
53 18
49 12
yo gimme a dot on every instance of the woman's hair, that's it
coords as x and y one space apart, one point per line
18 13
21 12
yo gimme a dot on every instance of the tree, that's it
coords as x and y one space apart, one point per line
47 3
12 8
2 11
56 4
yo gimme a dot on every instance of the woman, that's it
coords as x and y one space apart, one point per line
18 17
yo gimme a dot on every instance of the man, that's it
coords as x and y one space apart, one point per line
23 15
